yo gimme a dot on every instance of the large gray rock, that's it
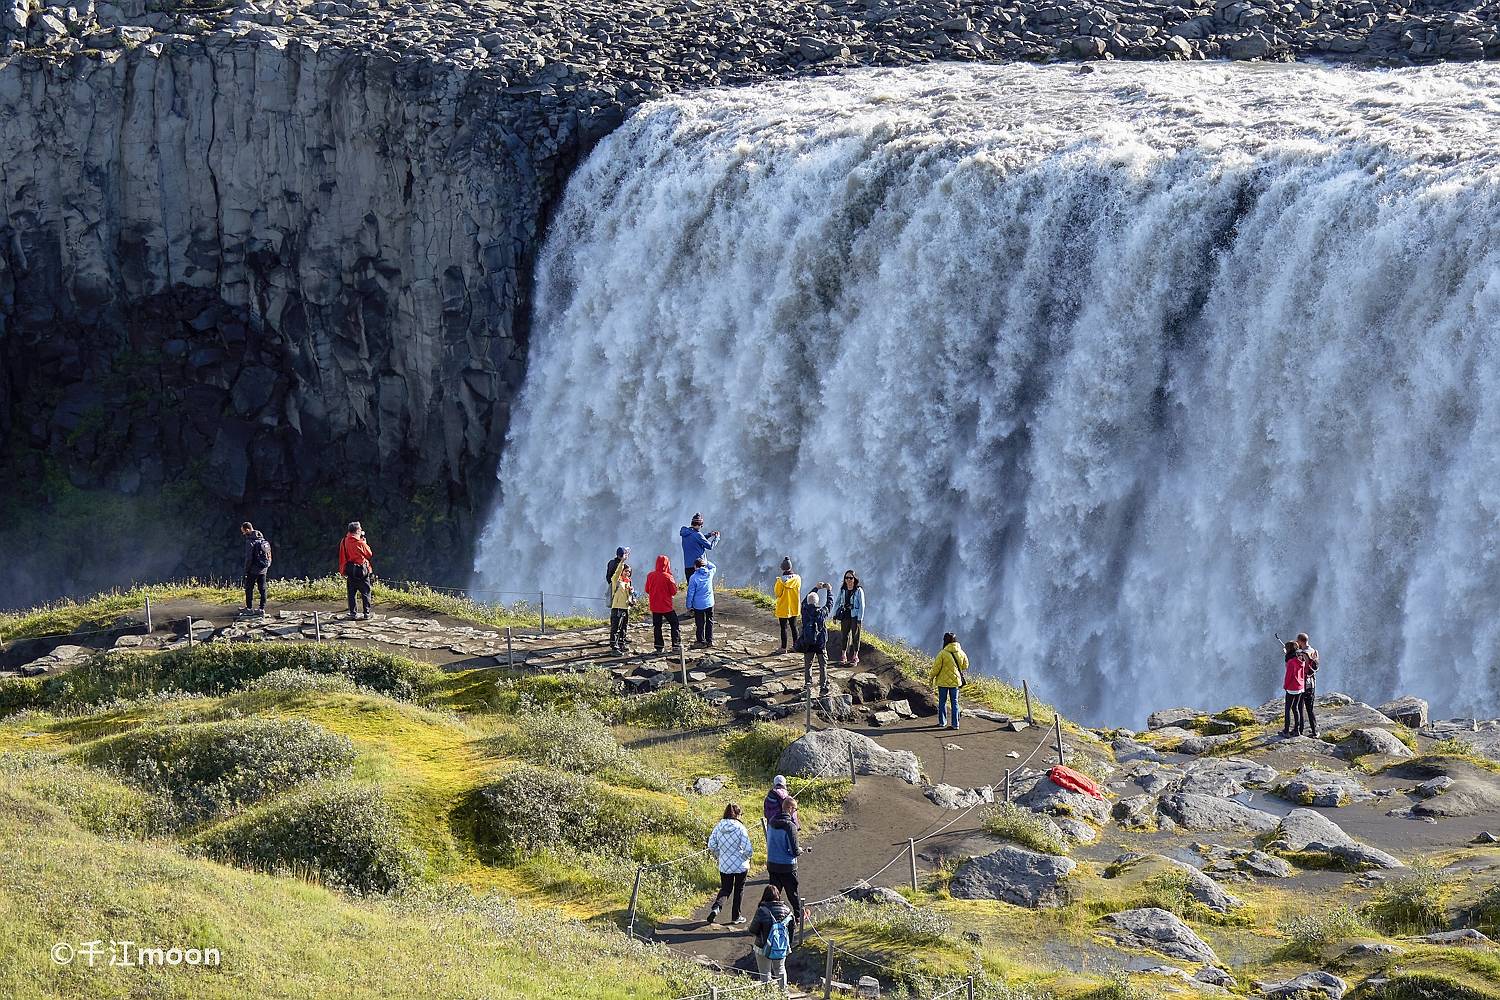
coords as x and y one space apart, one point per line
1304 831
1308 986
1195 745
1314 786
1199 886
824 753
1370 740
1204 812
1173 717
1160 931
1014 875
1135 812
1460 797
1047 797
1223 777
953 797
1408 710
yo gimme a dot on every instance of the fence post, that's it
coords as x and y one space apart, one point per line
510 657
1026 690
1007 784
764 830
1057 727
682 664
541 607
828 973
911 847
190 631
149 629
713 993
970 990
852 779
317 627
635 894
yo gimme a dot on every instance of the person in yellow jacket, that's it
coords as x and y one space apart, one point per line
622 599
788 603
948 676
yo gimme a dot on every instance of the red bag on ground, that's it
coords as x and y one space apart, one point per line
1065 777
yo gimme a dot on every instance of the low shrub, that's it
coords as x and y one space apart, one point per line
343 836
1239 715
531 809
579 742
592 690
1309 935
884 924
1170 890
755 752
210 768
1411 902
93 799
1022 826
1454 746
671 707
214 668
1485 913
293 680
1096 768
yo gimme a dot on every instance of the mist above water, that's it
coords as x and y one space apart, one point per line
1112 373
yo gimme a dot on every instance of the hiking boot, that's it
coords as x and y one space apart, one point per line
713 914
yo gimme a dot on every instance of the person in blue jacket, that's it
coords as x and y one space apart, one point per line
813 642
849 612
694 542
782 852
700 601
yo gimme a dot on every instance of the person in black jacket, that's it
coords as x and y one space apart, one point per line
257 565
770 911
813 642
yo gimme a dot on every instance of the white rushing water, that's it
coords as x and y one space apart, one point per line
1112 373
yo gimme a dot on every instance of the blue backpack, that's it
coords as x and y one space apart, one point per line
778 940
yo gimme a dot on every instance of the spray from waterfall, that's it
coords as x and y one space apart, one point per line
1110 373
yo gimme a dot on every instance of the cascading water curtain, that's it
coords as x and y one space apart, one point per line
1113 374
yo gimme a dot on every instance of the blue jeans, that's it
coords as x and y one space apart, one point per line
946 696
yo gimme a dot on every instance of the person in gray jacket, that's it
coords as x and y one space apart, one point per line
849 612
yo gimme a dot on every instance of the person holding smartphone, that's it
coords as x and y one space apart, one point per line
354 566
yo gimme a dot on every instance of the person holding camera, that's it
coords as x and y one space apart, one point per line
354 566
947 676
696 544
849 612
814 639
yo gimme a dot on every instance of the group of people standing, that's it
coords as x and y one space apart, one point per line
354 567
780 909
1300 687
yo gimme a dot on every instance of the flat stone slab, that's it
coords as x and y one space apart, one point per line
1313 786
1015 875
1204 812
1161 931
1305 831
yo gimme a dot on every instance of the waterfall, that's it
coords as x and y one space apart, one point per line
1113 373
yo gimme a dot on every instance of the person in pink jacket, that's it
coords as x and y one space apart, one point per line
1292 685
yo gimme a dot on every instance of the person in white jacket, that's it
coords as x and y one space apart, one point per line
730 843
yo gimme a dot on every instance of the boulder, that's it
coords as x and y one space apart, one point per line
953 797
1160 931
1215 977
708 786
1046 797
1173 717
1135 812
868 687
1408 710
1223 777
1374 740
1127 750
1014 875
917 694
1195 745
1076 831
1463 936
1308 986
1432 786
1313 786
1154 782
1204 812
1306 832
879 895
1199 886
824 753
1461 797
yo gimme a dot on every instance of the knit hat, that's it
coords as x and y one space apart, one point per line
779 781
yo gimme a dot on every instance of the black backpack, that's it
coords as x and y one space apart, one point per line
262 553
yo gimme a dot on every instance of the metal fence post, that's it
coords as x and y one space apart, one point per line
190 631
852 779
682 664
911 847
713 993
149 629
1026 690
828 973
541 607
635 894
317 627
1007 784
510 656
970 991
1057 727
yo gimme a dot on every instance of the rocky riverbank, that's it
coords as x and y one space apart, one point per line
274 260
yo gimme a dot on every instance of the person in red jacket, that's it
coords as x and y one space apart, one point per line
1292 684
354 566
661 589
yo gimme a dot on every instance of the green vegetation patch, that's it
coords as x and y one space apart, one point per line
1022 826
206 769
756 751
1411 902
580 742
1308 936
98 802
342 836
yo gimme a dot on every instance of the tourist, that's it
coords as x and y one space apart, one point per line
849 612
772 931
782 851
354 566
788 599
1293 685
661 591
778 794
814 638
695 543
700 601
730 844
947 676
257 565
1309 682
621 600
613 566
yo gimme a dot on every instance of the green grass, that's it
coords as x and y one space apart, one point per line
126 606
1021 826
1412 902
1310 936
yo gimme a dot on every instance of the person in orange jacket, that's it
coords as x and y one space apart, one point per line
661 590
354 566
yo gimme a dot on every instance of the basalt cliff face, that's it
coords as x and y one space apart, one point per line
273 261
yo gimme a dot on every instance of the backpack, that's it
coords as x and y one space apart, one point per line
263 554
778 940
